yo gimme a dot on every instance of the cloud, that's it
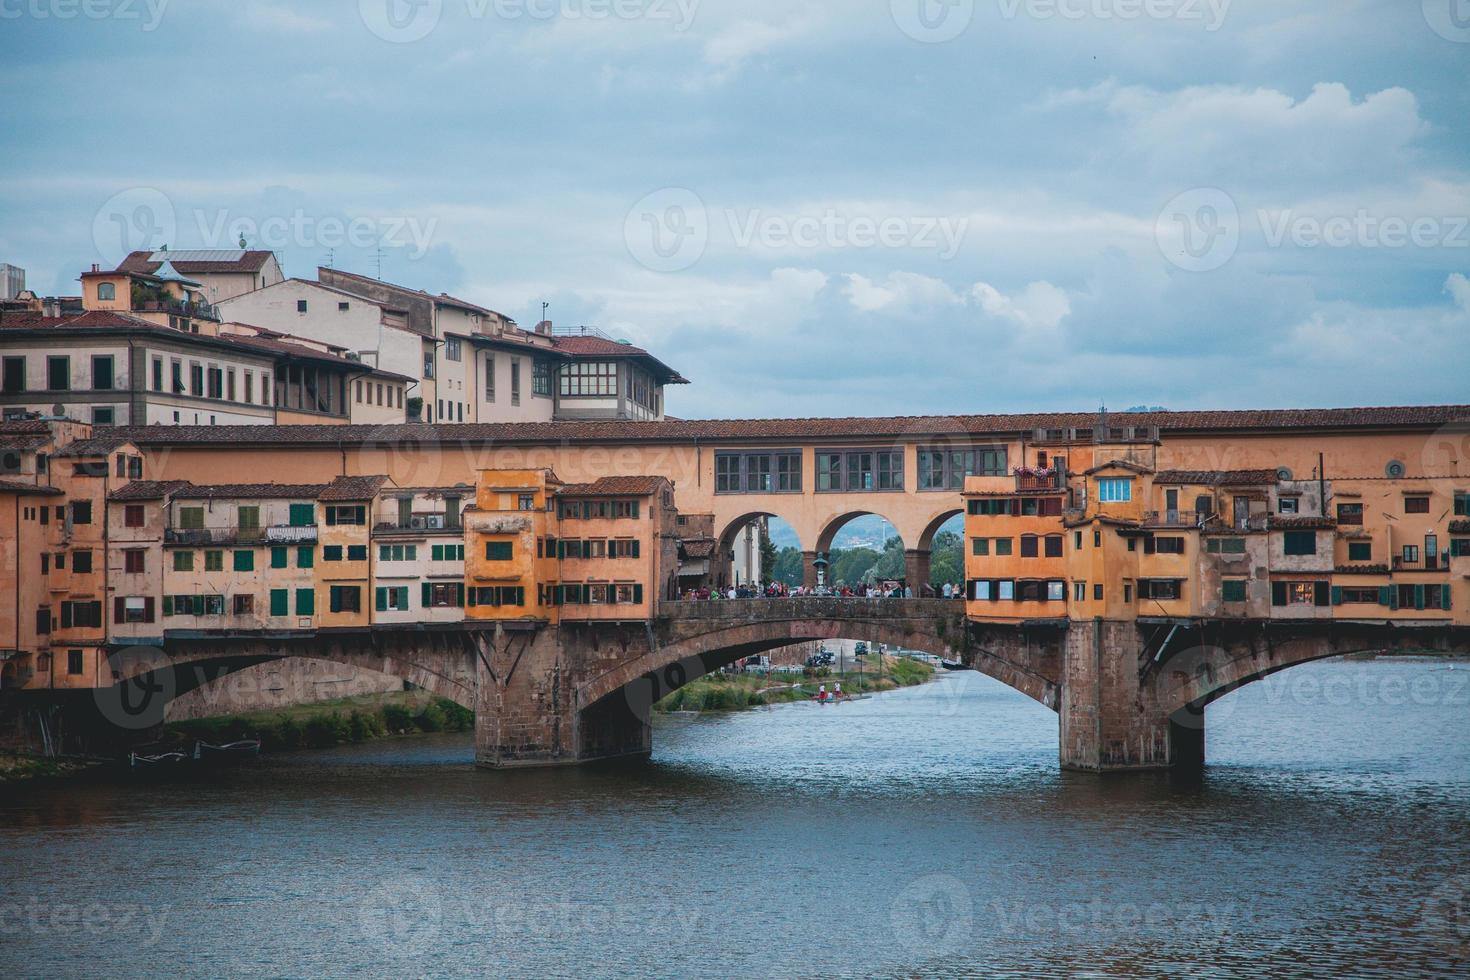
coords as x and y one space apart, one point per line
901 291
1459 289
1040 304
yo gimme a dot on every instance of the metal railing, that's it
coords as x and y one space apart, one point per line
275 534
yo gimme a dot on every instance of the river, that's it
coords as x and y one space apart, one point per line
925 832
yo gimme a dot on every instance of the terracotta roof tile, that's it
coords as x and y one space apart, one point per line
147 489
242 491
1305 522
252 260
614 486
99 445
874 430
16 486
353 488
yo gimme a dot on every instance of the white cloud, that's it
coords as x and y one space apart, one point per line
901 291
1040 304
1459 289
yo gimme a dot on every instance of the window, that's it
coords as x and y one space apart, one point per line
346 514
301 306
1053 546
102 372
304 556
1097 592
859 470
191 518
541 378
439 595
346 598
1286 505
515 381
429 372
357 552
502 595
14 375
183 561
1159 588
1225 546
447 552
214 561
73 661
1300 594
1114 489
490 377
135 561
1350 514
279 599
244 605
58 373
777 472
398 552
980 547
1169 546
499 550
303 515
1003 546
1416 505
245 560
1360 551
1411 553
81 512
1079 591
452 350
133 515
248 517
1232 590
331 552
278 557
1356 594
107 291
526 501
81 561
946 469
104 415
343 306
133 609
1299 543
1029 546
305 602
589 379
196 380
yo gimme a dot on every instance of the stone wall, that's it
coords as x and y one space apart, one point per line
279 684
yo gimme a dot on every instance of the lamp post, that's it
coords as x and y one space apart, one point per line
819 564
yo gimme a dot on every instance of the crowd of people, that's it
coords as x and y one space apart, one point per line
862 590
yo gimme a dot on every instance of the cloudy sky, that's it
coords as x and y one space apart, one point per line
806 206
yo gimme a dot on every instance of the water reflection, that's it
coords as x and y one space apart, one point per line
924 832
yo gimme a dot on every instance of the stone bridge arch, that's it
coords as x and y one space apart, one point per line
699 641
146 679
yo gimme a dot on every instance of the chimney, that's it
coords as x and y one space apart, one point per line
544 328
94 267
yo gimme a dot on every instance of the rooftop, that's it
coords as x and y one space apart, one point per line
1217 478
196 261
971 428
614 486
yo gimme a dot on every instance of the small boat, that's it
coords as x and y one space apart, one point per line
162 761
952 665
229 753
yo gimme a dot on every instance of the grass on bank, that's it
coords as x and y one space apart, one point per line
328 723
731 692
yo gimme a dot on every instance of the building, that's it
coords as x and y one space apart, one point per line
541 550
221 274
418 544
12 281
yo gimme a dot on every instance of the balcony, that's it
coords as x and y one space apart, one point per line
1176 518
203 537
1039 479
197 311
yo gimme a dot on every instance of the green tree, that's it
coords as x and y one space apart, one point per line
787 567
947 559
768 553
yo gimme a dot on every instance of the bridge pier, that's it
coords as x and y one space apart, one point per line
1111 720
916 569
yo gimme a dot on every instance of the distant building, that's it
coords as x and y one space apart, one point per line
221 273
12 281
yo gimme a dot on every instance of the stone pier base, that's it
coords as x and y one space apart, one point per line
1111 721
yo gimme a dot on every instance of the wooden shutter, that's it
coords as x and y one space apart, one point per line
1278 593
119 609
1322 594
148 609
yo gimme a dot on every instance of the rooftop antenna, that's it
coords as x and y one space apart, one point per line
331 254
544 306
242 241
378 259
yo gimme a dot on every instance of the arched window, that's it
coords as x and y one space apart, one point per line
106 291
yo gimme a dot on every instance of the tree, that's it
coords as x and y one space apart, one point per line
768 553
787 566
947 559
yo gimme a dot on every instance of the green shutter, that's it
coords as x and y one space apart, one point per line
168 605
1385 595
382 598
411 553
1322 594
436 553
635 549
1444 596
459 594
1337 595
305 556
1278 593
1418 597
1393 597
303 515
198 605
382 552
305 602
637 593
278 558
278 602
472 598
428 595
245 561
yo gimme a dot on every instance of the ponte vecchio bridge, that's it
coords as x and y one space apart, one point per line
1129 690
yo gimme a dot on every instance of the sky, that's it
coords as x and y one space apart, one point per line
835 207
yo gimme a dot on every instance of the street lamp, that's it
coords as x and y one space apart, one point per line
819 564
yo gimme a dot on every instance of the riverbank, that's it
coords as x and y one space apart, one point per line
18 767
733 692
327 723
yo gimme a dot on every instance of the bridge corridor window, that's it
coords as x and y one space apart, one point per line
946 469
1053 546
770 472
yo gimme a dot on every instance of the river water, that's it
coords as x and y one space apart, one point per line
927 832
